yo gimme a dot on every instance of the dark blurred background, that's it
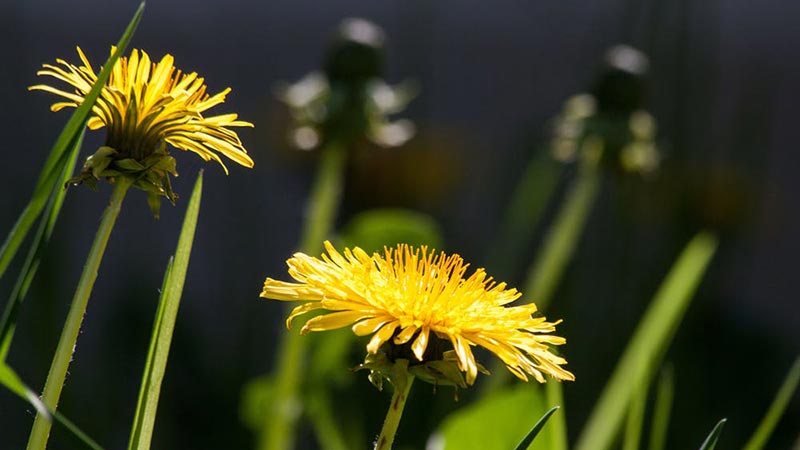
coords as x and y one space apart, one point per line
723 88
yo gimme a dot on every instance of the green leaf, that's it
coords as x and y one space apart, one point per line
164 324
373 230
776 409
526 442
58 157
661 410
713 437
648 343
31 264
498 421
12 382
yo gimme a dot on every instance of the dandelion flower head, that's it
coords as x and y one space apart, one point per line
146 104
409 296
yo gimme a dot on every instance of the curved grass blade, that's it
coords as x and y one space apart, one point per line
526 441
58 154
776 409
713 437
661 410
12 382
41 238
648 343
161 339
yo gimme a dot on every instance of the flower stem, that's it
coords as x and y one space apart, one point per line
402 385
69 334
279 428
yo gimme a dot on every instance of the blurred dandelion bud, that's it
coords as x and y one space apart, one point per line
613 112
349 100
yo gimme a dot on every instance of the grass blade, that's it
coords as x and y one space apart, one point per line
41 238
776 409
633 424
58 154
665 392
648 344
12 382
526 441
161 339
713 437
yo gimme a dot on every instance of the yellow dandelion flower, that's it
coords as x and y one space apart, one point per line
145 104
412 297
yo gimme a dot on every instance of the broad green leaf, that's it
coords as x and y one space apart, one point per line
648 343
498 421
526 442
59 153
12 382
373 230
713 437
776 409
31 264
164 324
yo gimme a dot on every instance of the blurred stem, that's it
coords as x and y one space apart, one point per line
321 413
565 232
523 215
560 242
558 426
279 428
402 385
69 334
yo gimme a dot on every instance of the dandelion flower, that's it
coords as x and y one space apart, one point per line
415 297
146 105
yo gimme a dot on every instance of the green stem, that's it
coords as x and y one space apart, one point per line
279 428
563 236
69 334
390 424
559 243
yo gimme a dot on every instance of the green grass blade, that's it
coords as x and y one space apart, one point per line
665 392
635 419
12 382
58 154
648 344
526 441
713 437
31 264
776 409
156 363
